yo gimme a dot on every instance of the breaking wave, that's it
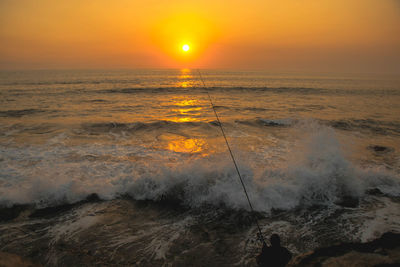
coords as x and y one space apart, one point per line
317 173
368 125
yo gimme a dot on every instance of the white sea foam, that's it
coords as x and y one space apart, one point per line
78 221
317 172
380 220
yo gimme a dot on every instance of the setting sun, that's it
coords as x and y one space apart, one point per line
185 47
135 132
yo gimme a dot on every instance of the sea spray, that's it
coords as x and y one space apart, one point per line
67 134
317 173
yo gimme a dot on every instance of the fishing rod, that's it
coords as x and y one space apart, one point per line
233 158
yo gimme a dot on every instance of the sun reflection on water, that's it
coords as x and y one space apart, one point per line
182 144
185 79
187 145
185 102
185 108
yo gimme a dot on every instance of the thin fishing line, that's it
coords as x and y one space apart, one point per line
233 158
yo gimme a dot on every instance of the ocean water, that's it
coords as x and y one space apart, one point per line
319 154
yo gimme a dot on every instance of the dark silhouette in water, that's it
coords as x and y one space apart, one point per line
275 255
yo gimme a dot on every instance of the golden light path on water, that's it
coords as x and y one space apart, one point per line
187 109
187 145
186 79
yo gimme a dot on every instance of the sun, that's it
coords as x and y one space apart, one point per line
185 47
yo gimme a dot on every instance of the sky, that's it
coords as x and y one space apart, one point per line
281 35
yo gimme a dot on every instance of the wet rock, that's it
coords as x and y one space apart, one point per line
380 149
51 211
12 260
7 214
374 192
54 210
384 251
93 198
348 202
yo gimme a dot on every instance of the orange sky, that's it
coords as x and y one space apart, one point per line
302 35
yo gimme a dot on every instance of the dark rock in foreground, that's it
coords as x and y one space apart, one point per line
12 260
380 149
7 214
384 251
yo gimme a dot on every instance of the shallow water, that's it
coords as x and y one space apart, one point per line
309 146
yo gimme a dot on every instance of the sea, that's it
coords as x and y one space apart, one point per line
130 168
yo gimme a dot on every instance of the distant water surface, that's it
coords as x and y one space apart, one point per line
301 140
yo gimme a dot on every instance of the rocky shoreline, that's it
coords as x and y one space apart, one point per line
381 252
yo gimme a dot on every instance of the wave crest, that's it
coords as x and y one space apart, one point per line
316 173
